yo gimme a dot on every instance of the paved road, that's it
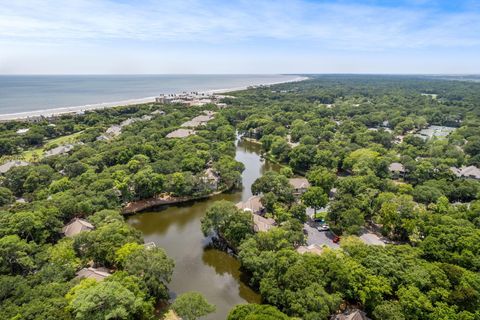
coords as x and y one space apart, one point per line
319 237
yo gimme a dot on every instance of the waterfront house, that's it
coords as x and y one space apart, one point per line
300 185
93 273
76 226
354 314
211 179
252 204
261 224
4 168
471 172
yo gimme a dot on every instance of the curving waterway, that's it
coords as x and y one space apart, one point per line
198 267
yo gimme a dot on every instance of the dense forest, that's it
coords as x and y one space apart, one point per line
342 132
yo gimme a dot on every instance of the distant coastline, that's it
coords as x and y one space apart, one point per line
96 106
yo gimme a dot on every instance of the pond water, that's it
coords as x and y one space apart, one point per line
198 267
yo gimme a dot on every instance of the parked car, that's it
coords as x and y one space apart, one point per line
336 239
323 227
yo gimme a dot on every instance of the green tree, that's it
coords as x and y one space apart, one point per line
6 196
191 306
315 197
109 299
15 255
154 267
256 312
225 220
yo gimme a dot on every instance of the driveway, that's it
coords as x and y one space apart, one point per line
319 237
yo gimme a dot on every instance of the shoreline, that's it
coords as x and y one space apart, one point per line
52 112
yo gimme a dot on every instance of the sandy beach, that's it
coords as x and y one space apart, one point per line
82 108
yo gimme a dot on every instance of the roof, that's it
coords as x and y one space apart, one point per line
76 226
313 248
210 174
171 315
354 315
180 133
4 168
93 273
252 204
59 150
299 183
22 131
467 172
262 224
396 167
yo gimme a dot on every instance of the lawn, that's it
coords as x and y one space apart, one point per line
33 155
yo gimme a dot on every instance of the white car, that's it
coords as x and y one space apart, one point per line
323 227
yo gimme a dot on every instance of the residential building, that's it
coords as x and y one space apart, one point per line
313 249
300 185
253 204
4 168
93 273
396 169
76 226
181 133
262 224
467 172
211 178
354 314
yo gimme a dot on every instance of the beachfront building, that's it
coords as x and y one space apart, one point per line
252 204
180 133
76 226
299 185
471 172
98 274
4 168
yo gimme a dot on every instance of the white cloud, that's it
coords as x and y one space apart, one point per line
331 25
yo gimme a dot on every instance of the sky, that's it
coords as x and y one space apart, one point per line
235 36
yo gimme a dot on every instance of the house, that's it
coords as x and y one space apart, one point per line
354 314
76 226
180 133
221 105
59 150
261 224
159 112
467 172
300 185
23 131
211 178
93 273
149 245
313 249
4 168
396 169
253 204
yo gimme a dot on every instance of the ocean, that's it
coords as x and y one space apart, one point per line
34 94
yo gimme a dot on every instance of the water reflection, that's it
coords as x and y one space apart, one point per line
198 267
